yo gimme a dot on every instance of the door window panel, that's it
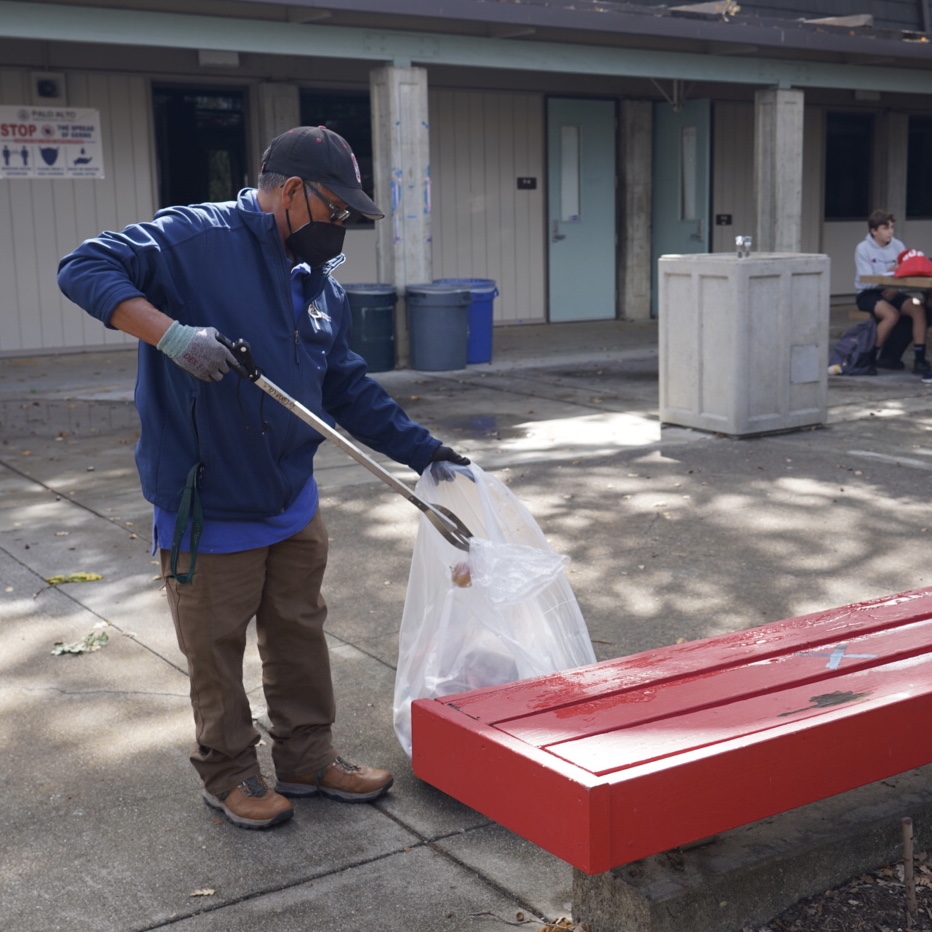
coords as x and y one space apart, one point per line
569 174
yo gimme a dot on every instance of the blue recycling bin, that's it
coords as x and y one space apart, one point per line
373 334
484 292
438 325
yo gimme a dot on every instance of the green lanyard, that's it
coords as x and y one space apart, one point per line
190 508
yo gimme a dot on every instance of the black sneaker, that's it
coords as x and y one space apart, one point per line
921 367
896 364
866 363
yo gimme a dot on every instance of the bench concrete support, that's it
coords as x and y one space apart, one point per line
751 874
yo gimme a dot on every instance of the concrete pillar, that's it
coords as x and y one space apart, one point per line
401 155
778 169
635 240
279 109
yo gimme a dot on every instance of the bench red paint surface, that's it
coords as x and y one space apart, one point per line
610 763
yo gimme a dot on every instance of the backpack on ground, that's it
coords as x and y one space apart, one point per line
852 352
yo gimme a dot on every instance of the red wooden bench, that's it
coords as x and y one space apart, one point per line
611 763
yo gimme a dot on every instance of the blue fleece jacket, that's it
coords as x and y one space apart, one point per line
223 265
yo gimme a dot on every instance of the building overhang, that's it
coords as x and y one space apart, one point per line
717 23
295 29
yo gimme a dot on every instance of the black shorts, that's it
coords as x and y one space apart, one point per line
867 300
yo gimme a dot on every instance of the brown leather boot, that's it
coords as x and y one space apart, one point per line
339 780
251 804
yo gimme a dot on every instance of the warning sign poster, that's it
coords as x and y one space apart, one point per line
50 142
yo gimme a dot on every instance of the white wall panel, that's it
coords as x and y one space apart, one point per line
483 227
839 239
360 266
915 234
41 219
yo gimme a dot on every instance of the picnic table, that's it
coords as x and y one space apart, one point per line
909 281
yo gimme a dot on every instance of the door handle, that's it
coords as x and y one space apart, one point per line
557 235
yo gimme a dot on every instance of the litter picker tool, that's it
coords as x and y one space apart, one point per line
444 520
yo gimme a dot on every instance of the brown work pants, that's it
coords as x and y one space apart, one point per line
280 586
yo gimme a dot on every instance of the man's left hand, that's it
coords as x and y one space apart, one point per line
443 461
448 455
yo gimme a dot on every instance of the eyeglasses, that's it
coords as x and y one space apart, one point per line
337 214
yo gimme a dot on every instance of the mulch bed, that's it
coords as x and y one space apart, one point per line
874 902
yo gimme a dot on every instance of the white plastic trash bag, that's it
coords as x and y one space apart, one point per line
502 612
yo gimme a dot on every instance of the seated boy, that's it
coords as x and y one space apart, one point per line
877 254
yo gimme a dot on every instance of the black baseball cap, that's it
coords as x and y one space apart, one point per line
316 153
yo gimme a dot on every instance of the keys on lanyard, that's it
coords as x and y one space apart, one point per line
316 315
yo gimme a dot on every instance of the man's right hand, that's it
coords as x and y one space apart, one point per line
197 350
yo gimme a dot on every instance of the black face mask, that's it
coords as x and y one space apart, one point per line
316 242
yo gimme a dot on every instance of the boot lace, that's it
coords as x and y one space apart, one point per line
254 786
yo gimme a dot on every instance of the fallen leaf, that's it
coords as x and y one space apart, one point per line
73 577
91 642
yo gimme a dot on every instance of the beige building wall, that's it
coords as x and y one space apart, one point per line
483 226
41 220
732 173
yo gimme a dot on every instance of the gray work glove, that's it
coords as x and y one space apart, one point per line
197 350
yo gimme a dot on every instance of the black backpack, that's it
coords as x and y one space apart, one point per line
852 351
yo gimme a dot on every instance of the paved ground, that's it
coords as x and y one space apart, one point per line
672 534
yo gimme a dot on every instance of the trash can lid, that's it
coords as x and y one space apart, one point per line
370 288
437 287
474 284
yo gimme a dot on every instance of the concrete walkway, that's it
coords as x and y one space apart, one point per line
673 534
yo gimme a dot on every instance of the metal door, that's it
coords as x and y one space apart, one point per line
581 209
681 182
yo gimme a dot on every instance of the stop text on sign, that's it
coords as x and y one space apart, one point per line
18 130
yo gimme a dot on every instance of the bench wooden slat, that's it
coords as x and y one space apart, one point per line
761 718
647 704
623 759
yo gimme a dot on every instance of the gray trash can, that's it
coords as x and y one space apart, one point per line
373 334
438 325
484 292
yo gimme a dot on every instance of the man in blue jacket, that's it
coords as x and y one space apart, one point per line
230 476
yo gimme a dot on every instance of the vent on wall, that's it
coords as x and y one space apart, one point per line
48 89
